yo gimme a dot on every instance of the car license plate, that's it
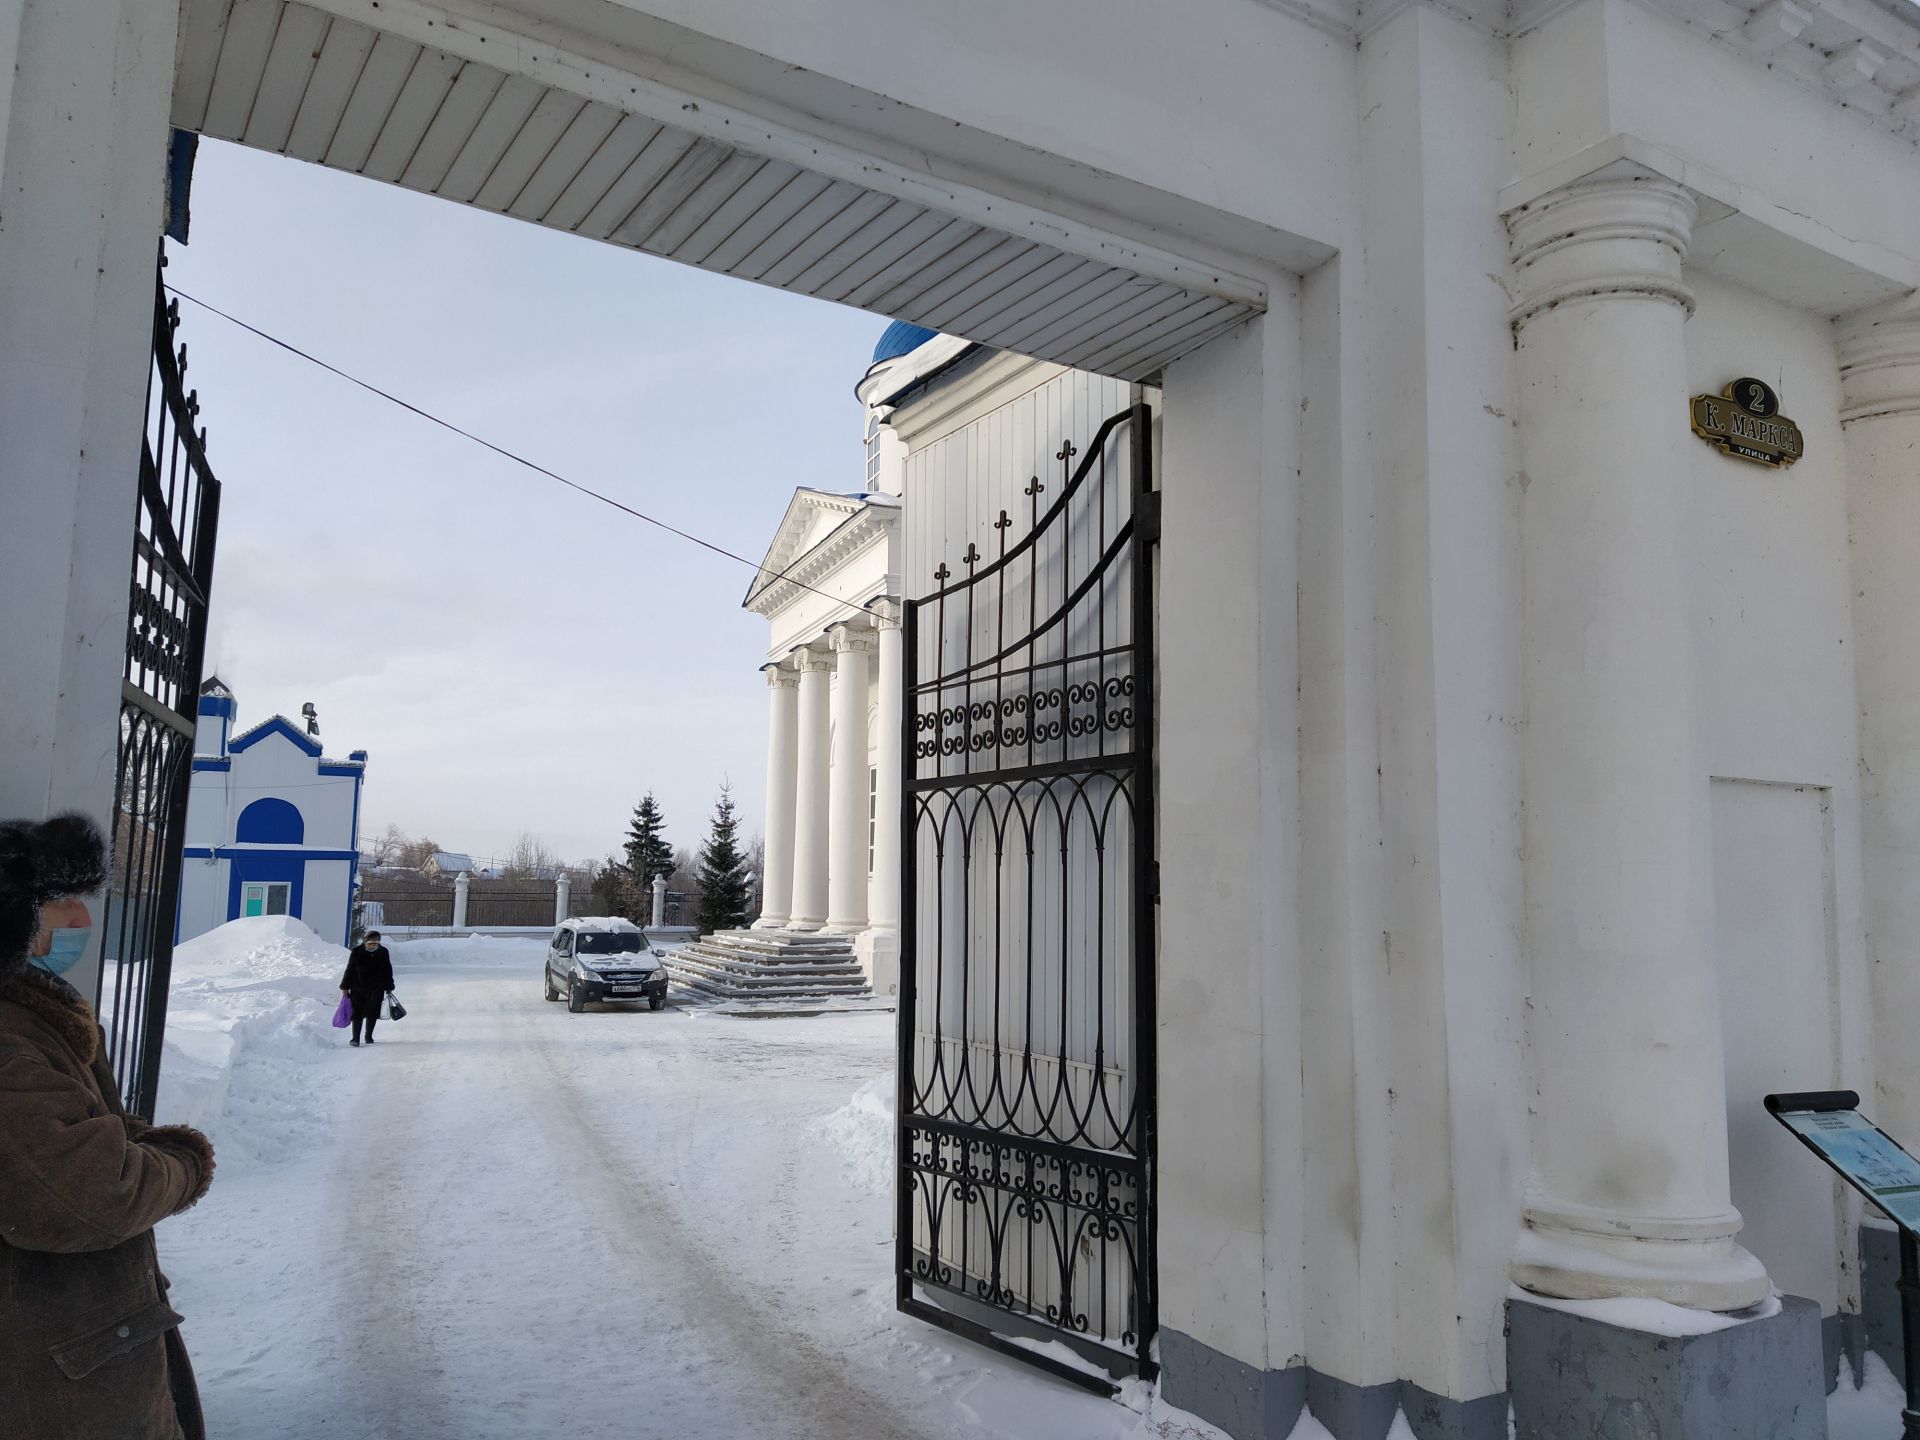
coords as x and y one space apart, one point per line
627 989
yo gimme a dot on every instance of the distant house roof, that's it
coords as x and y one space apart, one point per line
451 861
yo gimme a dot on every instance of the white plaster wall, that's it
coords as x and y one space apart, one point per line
203 896
1232 1203
1441 1082
1809 165
276 766
324 904
82 153
1779 719
209 816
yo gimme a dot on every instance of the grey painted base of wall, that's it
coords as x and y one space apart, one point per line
1571 1376
1254 1404
1575 1376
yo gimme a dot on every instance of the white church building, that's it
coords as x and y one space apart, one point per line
273 824
1398 541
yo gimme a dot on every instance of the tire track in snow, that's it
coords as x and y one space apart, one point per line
813 1384
384 1287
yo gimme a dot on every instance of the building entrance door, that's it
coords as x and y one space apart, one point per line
1026 1103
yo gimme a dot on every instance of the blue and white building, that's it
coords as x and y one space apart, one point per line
273 824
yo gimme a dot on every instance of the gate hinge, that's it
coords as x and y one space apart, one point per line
1146 516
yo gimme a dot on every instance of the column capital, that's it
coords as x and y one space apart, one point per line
887 613
812 658
1621 233
779 676
847 639
1880 360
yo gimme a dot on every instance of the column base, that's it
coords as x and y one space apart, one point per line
771 922
804 927
1572 1374
1575 1253
879 950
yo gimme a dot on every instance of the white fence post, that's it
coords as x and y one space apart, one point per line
562 894
659 901
460 902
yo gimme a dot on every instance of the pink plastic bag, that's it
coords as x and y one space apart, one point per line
343 1017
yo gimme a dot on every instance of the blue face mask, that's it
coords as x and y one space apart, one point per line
68 946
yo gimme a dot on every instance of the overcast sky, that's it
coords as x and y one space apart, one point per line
512 656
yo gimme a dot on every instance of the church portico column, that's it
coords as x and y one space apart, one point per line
813 726
847 805
883 903
776 896
1629 1134
1880 378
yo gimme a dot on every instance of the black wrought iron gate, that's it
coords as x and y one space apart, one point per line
173 546
1026 1104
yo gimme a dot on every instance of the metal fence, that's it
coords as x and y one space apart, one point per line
409 904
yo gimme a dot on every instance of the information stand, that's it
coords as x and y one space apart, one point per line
1829 1123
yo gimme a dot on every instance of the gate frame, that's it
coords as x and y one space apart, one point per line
1144 524
183 557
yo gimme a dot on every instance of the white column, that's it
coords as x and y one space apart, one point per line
659 901
776 903
460 902
562 899
883 898
1630 1130
86 96
847 802
1880 375
812 727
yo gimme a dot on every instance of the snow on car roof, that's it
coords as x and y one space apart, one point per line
601 922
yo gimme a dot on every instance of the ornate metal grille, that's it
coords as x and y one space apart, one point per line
1026 1109
173 546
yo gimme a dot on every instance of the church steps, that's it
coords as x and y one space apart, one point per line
763 965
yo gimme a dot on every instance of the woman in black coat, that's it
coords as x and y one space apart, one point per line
369 975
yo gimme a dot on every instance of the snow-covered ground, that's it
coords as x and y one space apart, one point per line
503 1220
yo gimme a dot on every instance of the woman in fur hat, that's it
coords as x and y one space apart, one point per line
89 1347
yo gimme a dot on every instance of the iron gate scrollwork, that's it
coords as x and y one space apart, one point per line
173 543
1026 1106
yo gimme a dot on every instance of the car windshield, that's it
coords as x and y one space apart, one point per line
609 942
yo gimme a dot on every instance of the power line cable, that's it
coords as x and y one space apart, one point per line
505 453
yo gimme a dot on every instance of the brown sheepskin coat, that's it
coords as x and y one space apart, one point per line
89 1348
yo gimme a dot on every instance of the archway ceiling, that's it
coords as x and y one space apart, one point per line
323 86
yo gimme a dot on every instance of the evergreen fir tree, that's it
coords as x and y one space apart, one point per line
724 880
610 888
648 853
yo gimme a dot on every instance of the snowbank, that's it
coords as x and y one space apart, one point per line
1870 1412
252 999
862 1132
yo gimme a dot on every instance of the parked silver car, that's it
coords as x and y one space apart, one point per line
600 958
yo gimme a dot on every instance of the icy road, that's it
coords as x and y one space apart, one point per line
503 1220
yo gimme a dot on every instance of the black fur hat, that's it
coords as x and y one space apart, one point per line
42 860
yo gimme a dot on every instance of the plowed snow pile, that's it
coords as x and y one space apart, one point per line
252 999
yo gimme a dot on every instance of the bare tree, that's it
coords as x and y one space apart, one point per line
529 858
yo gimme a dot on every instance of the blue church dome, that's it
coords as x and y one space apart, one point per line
899 338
